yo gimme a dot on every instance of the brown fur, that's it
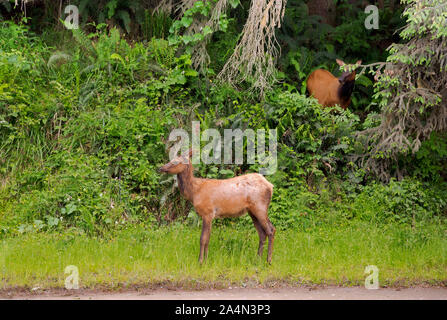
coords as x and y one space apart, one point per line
323 86
214 198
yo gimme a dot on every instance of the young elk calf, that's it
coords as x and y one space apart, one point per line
213 198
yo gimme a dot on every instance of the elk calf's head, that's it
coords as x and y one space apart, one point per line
346 80
178 164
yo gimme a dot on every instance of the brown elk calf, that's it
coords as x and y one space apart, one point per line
329 90
214 198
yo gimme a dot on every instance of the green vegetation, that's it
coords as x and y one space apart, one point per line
85 117
168 255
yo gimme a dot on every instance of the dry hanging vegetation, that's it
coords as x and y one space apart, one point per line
412 88
253 58
199 55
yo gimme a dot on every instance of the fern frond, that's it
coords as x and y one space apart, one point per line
82 39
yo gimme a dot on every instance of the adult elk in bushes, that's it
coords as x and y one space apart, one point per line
329 90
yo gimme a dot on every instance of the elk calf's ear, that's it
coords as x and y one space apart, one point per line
340 63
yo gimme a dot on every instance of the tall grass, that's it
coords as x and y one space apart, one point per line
138 256
156 25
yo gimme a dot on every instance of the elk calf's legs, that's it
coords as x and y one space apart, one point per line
271 238
270 231
204 239
261 233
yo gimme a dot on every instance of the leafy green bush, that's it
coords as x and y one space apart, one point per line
430 162
314 142
407 201
83 129
86 158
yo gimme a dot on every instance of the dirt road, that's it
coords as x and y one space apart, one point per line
331 293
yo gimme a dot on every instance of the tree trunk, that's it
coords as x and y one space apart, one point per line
323 8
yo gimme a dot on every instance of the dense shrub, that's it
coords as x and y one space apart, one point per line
407 201
83 129
84 151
